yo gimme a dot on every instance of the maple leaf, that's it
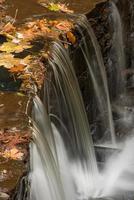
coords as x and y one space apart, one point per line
13 153
26 60
8 60
71 37
10 47
16 69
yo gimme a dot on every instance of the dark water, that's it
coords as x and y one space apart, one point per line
25 8
30 8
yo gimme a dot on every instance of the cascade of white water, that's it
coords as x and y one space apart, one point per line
48 179
45 174
67 84
98 75
118 174
54 174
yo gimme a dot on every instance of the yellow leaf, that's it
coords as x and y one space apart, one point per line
10 47
8 60
13 153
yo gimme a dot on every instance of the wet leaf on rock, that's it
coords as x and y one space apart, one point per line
71 37
19 68
13 153
8 60
10 47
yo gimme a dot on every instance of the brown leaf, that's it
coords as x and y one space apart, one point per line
71 37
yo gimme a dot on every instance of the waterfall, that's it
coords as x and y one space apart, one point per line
64 178
45 175
72 105
97 74
40 116
63 161
117 52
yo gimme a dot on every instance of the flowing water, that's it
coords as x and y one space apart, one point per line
45 174
98 75
68 87
118 54
64 178
63 161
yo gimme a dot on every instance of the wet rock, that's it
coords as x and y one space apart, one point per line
14 107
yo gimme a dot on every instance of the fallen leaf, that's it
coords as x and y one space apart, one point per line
64 8
8 28
10 47
71 37
13 153
8 60
53 7
16 69
56 6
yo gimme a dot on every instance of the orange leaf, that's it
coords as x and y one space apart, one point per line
8 28
71 37
19 68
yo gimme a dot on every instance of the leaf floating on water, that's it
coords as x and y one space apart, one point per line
56 7
71 37
53 7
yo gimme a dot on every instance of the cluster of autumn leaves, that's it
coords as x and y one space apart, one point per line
19 58
19 40
11 142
